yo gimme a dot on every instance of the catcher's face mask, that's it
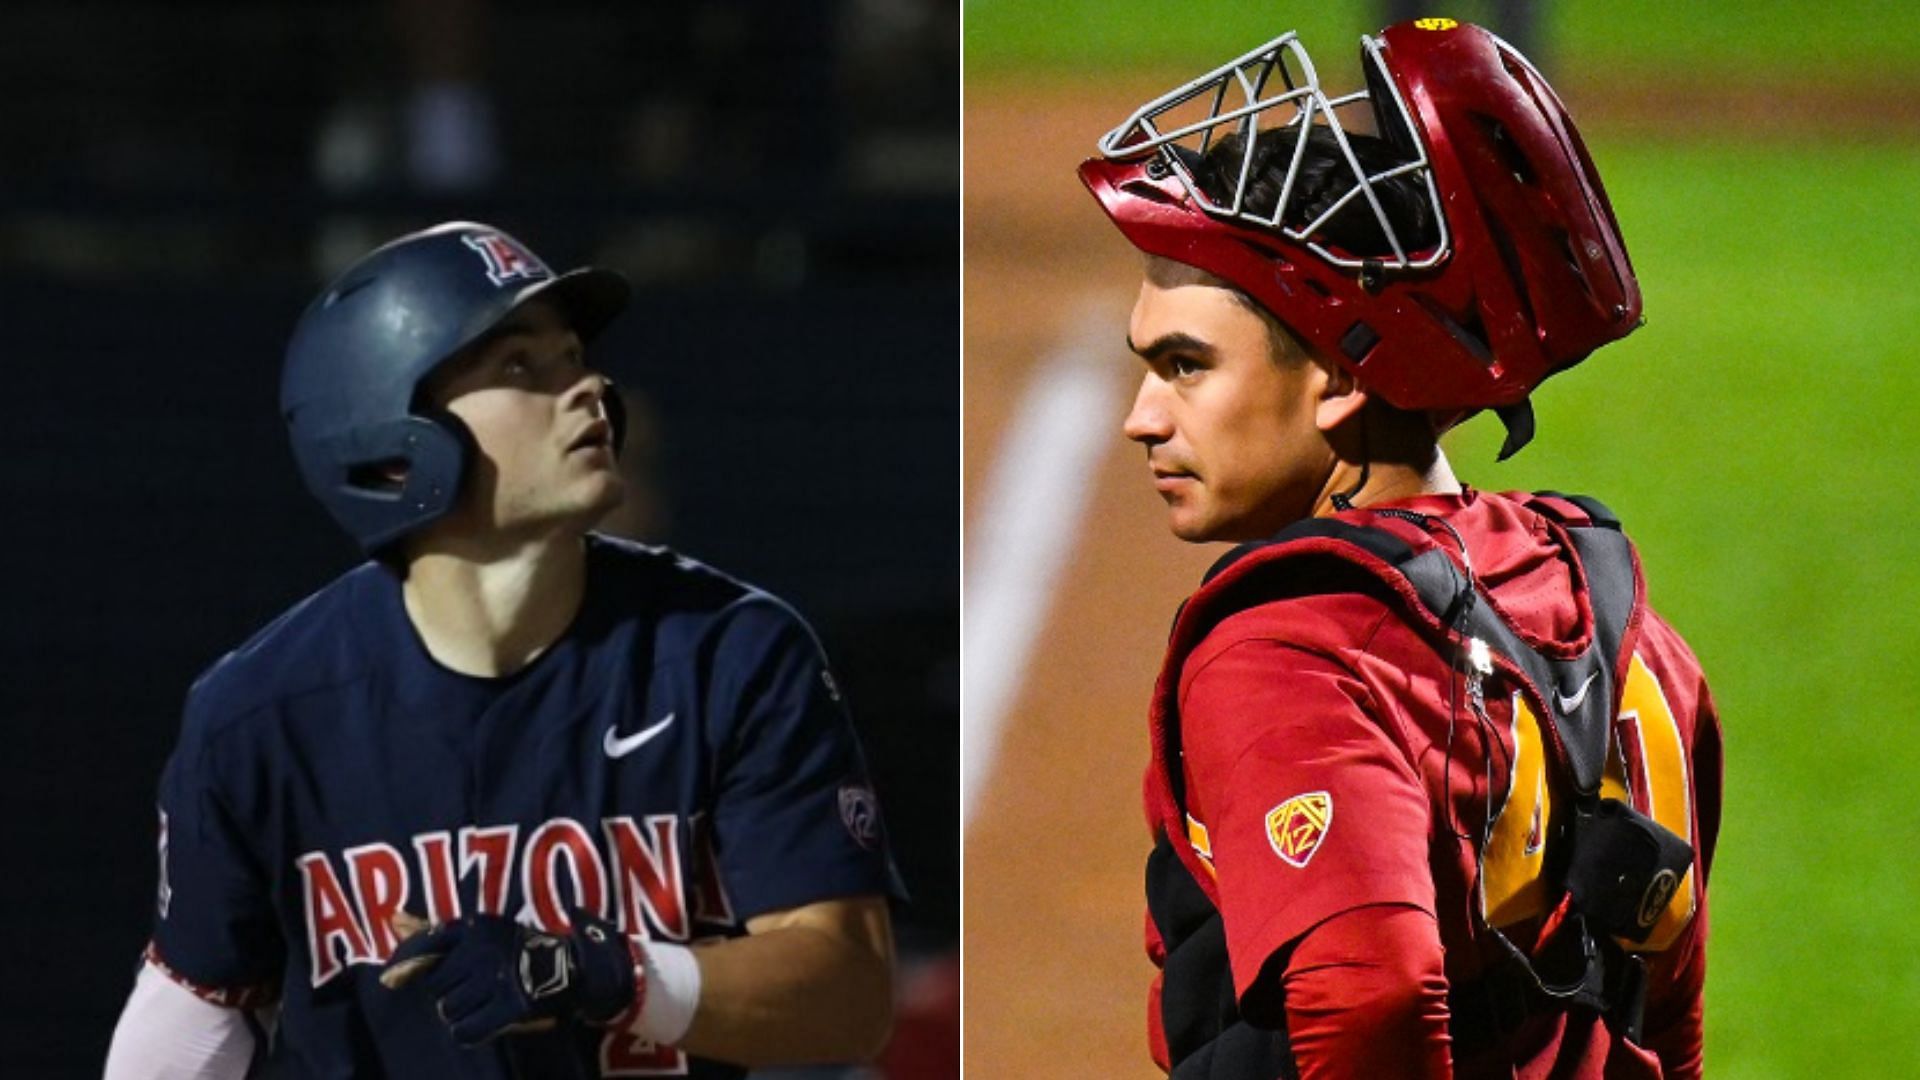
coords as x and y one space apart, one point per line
1276 88
1522 272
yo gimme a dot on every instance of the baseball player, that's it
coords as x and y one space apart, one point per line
512 798
1435 792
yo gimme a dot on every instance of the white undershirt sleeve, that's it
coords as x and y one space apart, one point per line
168 1033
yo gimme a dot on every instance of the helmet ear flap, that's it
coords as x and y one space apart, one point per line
441 456
382 480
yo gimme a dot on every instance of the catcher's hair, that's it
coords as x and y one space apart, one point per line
1323 178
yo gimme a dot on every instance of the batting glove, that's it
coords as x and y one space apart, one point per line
490 976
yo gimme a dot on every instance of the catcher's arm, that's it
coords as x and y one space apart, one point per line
167 1032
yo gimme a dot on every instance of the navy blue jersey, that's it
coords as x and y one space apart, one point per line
679 761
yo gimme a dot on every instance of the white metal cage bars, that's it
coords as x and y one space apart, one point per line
1251 73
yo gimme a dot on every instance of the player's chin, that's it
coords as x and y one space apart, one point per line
1209 521
584 500
603 491
1190 522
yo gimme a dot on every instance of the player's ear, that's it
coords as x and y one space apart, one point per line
1337 395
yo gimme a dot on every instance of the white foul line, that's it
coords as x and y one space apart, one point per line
1024 532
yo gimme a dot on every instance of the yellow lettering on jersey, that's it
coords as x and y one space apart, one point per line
1646 718
1512 883
1197 836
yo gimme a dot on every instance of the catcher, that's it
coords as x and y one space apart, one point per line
1435 792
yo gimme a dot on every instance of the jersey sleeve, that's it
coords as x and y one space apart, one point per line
1366 995
214 929
795 819
1310 808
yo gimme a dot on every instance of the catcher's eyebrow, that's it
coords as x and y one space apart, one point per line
1176 341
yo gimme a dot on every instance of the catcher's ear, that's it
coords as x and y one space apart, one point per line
1337 395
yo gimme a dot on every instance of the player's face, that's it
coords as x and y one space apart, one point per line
1228 426
537 416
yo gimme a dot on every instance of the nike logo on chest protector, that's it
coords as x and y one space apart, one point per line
1568 702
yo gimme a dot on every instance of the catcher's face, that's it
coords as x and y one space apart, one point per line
1229 426
538 419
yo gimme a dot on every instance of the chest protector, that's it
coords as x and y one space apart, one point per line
1613 868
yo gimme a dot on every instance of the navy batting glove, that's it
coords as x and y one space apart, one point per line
490 975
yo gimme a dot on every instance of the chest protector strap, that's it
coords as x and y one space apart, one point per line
1610 860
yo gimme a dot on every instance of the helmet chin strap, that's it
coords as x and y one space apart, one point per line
1343 500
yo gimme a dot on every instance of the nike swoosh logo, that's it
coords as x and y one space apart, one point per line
617 747
1570 703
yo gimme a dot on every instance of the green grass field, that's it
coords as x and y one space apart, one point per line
1758 438
1876 39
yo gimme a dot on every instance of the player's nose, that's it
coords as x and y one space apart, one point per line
1148 421
587 391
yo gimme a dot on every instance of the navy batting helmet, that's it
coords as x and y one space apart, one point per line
362 348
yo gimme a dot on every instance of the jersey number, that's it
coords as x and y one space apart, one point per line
624 1054
1646 767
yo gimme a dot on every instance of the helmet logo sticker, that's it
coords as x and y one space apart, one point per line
1435 24
505 260
1296 827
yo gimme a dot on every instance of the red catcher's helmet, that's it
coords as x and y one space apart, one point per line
1528 273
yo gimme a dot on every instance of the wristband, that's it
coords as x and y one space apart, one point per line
671 978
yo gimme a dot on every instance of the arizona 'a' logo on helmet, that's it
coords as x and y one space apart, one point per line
505 259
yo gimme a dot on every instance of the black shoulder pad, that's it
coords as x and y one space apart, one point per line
1596 511
1378 542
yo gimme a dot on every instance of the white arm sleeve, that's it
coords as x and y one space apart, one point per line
167 1033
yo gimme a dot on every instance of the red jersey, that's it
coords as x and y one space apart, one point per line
1345 810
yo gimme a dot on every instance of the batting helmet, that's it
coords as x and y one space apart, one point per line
349 389
1527 273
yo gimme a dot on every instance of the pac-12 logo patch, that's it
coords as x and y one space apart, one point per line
860 813
506 261
164 897
1296 827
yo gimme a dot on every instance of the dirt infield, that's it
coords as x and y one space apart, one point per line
1055 976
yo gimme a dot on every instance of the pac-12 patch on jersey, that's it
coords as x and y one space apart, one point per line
1296 827
164 894
860 812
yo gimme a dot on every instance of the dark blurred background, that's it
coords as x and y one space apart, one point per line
176 181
